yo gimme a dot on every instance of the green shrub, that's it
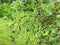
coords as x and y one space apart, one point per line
30 22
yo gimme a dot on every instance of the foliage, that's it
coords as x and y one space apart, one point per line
30 22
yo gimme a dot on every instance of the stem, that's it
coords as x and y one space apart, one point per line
14 43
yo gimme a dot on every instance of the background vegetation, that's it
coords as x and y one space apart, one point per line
29 22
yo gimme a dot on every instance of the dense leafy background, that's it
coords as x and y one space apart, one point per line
29 22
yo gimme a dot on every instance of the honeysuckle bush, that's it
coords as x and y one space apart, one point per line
30 22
